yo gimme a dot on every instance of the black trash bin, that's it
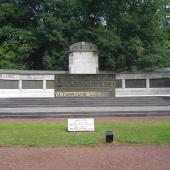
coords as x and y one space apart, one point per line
109 136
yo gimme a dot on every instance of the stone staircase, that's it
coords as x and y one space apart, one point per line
83 107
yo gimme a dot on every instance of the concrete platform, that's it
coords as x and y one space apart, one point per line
83 107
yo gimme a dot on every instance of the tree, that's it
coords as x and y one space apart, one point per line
17 42
130 34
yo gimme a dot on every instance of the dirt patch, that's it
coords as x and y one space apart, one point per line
86 158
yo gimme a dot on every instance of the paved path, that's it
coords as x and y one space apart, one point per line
84 109
86 158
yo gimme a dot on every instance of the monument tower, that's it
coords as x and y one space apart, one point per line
84 78
83 58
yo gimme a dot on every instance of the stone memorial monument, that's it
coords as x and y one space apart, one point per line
84 79
83 58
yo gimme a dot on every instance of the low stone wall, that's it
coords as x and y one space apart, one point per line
143 84
42 84
32 84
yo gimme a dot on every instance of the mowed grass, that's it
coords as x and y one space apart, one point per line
55 134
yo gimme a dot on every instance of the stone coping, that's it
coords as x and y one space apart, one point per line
83 47
50 72
42 72
37 72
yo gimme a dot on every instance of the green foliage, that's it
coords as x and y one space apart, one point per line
130 34
16 47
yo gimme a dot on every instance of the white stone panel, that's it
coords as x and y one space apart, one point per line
128 92
26 77
83 63
9 93
143 75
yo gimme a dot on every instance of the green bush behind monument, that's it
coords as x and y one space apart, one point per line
130 35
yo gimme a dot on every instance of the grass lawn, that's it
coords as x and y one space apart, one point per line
55 134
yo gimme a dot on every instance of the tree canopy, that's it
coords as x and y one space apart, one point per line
130 34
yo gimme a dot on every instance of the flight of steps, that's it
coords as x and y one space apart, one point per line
85 107
86 102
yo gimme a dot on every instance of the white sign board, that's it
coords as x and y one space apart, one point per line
80 125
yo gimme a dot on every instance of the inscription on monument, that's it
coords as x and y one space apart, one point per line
85 85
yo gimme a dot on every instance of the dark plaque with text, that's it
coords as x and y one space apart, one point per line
84 85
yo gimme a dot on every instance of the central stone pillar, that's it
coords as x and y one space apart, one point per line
84 79
83 58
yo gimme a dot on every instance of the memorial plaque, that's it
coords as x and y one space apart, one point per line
80 125
85 85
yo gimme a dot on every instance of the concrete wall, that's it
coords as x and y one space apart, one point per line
28 85
41 83
161 85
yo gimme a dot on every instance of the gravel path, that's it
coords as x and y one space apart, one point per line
86 158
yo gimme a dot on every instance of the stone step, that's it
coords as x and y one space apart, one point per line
90 102
83 115
86 99
83 107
